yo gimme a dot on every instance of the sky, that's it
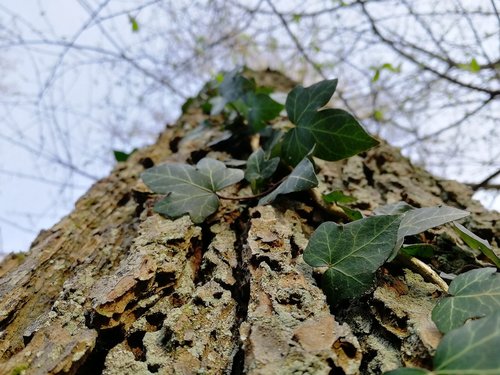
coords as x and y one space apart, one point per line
35 189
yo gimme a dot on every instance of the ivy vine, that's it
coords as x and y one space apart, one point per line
349 253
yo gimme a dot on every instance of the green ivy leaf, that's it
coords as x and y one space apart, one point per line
419 220
122 156
337 196
302 177
190 190
261 108
352 253
350 213
260 168
473 294
477 243
334 132
219 175
235 86
421 250
470 349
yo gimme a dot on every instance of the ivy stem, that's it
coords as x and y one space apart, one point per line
250 197
423 269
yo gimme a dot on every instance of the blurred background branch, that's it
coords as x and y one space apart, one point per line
85 77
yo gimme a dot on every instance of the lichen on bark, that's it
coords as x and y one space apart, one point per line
115 288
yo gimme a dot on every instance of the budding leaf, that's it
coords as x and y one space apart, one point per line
190 190
133 23
352 253
334 133
301 178
473 294
259 168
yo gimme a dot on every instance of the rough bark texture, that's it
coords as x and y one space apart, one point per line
115 288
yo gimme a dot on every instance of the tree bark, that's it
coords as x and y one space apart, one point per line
115 288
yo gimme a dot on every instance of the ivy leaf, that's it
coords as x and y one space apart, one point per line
419 220
121 155
190 190
301 178
351 213
474 294
470 349
219 175
261 109
304 102
259 168
235 86
337 196
335 133
421 250
196 202
477 243
352 253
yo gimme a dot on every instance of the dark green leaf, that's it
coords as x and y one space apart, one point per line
471 349
338 196
301 178
122 156
352 253
350 213
420 250
190 190
477 243
335 133
303 102
187 104
261 109
235 86
259 168
473 294
133 22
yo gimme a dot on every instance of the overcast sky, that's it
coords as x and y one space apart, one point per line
35 192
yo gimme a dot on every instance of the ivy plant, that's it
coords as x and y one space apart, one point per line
190 190
349 253
334 133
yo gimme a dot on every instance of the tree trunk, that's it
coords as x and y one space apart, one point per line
115 288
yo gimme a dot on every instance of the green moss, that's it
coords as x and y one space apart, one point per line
19 369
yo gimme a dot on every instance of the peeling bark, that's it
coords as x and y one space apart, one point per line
115 288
